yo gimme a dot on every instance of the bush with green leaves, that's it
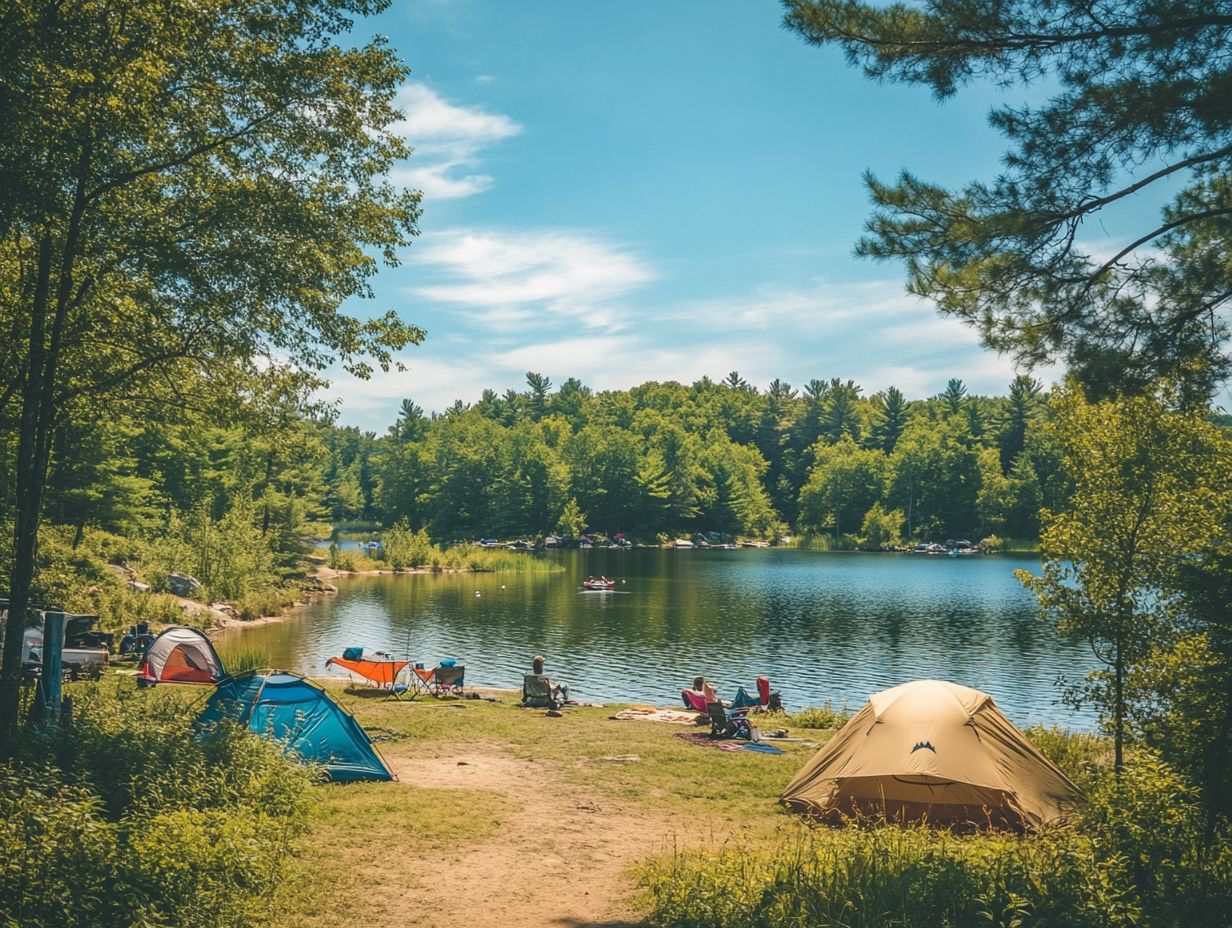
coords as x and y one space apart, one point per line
405 548
1135 856
131 817
820 717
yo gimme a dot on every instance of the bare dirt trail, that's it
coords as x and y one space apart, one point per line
562 858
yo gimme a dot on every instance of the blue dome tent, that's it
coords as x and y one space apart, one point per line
287 707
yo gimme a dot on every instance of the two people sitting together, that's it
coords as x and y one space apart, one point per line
702 696
541 691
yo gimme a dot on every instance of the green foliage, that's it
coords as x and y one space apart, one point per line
822 717
572 520
1151 487
404 548
1134 856
1081 756
267 602
875 876
1134 83
130 817
186 210
238 659
881 530
667 459
845 482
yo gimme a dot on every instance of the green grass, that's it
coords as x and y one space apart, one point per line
239 659
742 861
717 790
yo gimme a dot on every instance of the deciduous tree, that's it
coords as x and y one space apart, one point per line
183 185
1152 487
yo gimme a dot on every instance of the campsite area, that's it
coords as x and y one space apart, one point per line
506 816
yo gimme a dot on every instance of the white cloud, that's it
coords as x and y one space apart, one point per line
502 278
447 140
508 284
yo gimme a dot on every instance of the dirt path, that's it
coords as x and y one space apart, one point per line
561 859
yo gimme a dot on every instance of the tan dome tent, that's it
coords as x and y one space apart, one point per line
932 751
180 655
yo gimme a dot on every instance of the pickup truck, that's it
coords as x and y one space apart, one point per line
85 653
77 662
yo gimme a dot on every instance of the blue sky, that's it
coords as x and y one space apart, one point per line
638 191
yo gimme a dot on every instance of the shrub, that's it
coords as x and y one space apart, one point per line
825 716
1080 756
404 548
131 817
1134 856
881 529
264 602
348 560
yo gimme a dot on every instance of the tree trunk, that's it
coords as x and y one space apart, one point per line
38 415
1119 706
1216 761
269 476
28 501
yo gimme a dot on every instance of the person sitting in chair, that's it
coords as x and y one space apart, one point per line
540 690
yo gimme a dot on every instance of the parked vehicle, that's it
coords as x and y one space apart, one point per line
84 651
89 662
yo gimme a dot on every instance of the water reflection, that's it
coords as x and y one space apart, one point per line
822 626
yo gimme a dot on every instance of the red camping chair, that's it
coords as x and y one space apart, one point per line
763 691
382 674
695 701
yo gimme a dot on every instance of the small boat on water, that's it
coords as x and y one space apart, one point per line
598 583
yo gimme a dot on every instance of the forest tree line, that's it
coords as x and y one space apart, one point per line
664 458
658 459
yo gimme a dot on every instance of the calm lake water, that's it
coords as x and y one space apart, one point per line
822 626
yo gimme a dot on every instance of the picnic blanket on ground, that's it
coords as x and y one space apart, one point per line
651 714
728 744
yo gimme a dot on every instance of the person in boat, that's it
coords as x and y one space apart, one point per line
560 691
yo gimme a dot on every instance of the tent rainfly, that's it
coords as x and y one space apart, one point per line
933 751
287 707
180 655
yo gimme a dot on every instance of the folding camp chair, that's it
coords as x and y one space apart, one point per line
734 724
539 693
694 700
444 679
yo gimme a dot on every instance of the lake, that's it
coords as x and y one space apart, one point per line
822 626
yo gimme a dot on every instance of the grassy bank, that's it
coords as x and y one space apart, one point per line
738 860
712 847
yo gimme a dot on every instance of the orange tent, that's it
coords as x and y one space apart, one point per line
181 655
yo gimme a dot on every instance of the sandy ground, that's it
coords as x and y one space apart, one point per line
562 859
